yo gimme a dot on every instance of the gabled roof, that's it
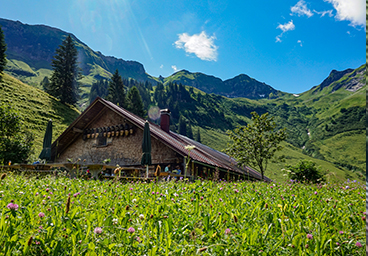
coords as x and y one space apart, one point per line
177 142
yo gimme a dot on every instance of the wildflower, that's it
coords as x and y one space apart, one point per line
315 192
41 215
67 205
347 187
30 241
309 236
13 207
97 230
358 244
141 216
337 243
227 231
341 232
47 189
134 200
131 230
138 239
235 219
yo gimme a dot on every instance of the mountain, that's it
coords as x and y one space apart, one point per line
350 79
30 49
325 124
239 86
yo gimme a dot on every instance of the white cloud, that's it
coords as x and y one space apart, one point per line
300 43
162 66
323 13
287 26
301 9
200 44
284 27
174 68
351 10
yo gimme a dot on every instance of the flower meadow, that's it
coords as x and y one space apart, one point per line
61 216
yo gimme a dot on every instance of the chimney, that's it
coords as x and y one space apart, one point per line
165 120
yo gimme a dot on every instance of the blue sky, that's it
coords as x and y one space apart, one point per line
291 45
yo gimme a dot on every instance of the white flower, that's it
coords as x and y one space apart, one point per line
134 200
189 147
141 216
115 221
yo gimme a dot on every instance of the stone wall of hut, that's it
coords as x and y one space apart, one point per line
122 150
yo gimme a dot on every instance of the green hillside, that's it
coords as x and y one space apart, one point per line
36 108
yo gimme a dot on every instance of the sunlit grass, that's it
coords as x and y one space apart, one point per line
178 218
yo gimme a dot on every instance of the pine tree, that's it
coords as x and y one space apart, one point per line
99 89
182 126
198 136
116 90
160 95
189 131
64 79
134 102
2 52
45 84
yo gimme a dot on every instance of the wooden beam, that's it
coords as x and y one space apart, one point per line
77 130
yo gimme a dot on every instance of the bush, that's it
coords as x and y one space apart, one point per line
305 171
15 143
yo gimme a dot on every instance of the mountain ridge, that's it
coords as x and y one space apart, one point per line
35 45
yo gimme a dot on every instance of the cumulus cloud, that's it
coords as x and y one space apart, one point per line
201 45
162 66
284 27
300 43
174 68
287 26
301 9
351 10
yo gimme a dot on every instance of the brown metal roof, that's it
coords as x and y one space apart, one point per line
177 142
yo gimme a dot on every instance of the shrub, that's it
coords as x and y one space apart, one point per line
305 171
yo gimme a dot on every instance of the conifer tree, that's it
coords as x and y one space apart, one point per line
45 84
64 79
134 102
189 131
2 52
198 136
116 90
99 89
160 95
182 126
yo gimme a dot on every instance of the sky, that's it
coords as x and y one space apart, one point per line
291 45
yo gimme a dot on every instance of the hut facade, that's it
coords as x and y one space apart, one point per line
107 131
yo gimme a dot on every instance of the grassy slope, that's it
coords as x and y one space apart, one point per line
36 107
218 140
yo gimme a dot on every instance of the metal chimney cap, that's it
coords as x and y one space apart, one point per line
165 111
